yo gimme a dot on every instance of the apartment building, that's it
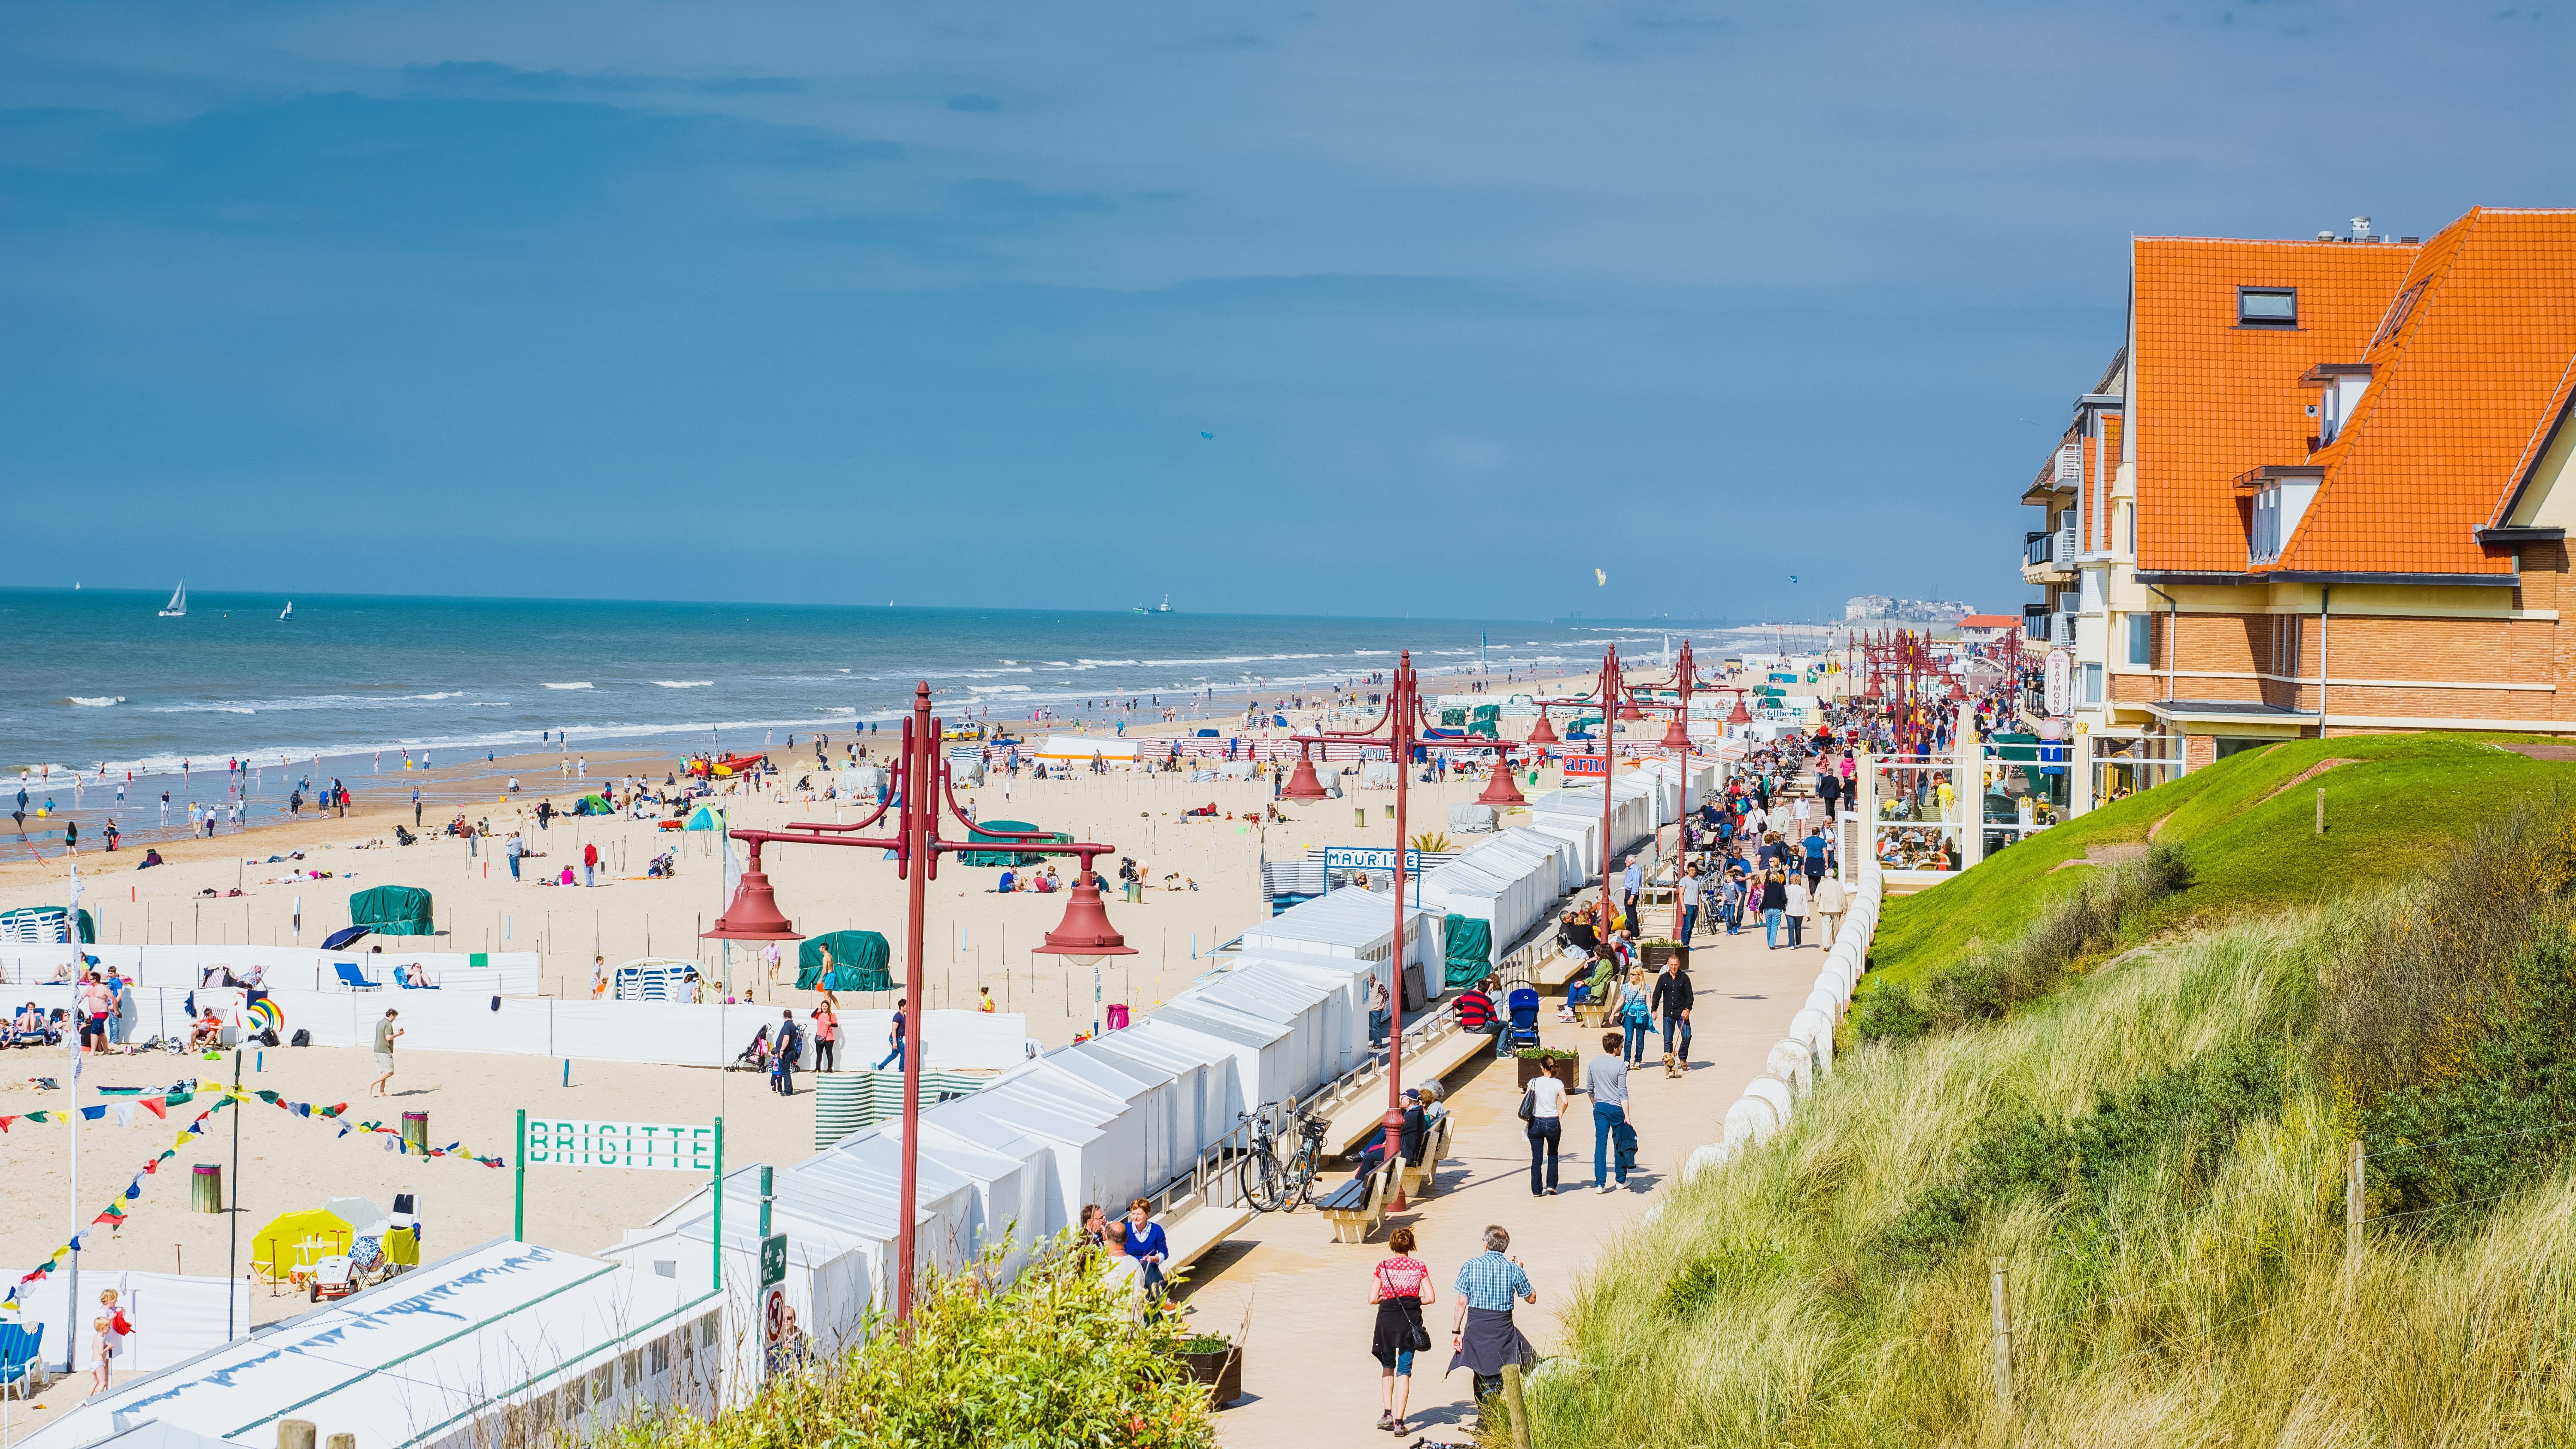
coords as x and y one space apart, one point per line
2318 490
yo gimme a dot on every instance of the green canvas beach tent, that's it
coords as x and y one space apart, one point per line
1470 950
996 858
392 911
858 962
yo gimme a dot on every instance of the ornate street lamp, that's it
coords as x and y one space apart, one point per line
1303 785
922 782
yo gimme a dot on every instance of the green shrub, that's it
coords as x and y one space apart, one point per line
1057 1358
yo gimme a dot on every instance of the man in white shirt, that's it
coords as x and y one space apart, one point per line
1690 904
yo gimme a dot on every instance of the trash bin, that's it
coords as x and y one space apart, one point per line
415 1131
206 1188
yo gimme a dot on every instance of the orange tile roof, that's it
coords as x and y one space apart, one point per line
2209 399
2460 386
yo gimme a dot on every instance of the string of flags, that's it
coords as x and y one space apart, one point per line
114 1214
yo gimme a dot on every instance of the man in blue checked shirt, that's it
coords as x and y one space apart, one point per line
1481 1332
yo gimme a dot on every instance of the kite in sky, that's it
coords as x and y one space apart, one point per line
1599 577
1793 578
1211 437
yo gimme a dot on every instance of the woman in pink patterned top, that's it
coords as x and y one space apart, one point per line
1399 1285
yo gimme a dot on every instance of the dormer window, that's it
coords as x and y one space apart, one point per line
2342 384
2267 307
2278 498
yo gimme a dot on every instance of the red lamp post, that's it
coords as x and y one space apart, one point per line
1543 733
921 783
1401 726
1303 786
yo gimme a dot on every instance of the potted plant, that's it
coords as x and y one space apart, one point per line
1217 1362
1653 954
1556 1062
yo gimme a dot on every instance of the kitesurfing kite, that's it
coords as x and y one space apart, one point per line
1211 437
1599 577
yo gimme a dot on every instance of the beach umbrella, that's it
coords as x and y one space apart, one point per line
298 1240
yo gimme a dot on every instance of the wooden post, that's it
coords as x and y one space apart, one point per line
2002 1285
2352 1181
294 1434
2321 810
1519 1408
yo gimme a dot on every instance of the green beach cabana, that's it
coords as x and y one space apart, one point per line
992 858
392 911
707 818
1468 946
858 962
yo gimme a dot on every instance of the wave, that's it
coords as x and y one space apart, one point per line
98 701
674 683
997 689
579 684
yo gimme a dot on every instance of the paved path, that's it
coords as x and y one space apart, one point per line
1308 1376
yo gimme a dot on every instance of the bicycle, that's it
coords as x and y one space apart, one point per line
1271 1184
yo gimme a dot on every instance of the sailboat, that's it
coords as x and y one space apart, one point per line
177 608
1164 608
288 612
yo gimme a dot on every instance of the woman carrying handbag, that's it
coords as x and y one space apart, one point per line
1399 1286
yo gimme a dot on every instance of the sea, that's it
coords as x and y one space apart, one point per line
98 682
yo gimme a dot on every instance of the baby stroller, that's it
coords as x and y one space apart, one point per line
1522 1027
755 1057
662 868
403 837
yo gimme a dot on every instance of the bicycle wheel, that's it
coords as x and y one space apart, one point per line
1265 1185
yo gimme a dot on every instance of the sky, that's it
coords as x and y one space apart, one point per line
1300 308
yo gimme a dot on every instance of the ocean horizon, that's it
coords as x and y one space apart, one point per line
100 680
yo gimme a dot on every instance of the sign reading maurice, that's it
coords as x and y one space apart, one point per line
677 1148
1370 857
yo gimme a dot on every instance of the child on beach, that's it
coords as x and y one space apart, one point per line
102 1349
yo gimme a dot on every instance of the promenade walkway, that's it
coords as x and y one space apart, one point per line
1308 1376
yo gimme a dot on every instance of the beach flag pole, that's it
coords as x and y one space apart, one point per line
519 1189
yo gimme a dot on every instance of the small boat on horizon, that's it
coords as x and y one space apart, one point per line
177 608
288 612
1164 608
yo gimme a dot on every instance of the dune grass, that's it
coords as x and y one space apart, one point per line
2253 845
2156 1155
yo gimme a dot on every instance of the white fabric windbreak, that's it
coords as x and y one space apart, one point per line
174 1318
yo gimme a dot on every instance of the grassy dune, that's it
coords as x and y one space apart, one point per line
2156 1153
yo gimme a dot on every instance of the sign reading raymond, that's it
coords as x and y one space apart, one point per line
2059 682
554 1142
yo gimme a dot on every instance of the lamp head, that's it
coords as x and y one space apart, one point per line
754 914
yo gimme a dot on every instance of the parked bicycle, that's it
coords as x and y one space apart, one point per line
1278 1174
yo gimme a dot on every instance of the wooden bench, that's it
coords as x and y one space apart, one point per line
1358 1207
1421 1181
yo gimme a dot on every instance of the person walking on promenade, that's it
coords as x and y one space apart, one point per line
1775 900
1482 1335
1631 882
1543 1108
1636 1014
1672 1001
1142 1238
1734 899
1688 887
1793 909
1400 1286
1605 1078
1831 902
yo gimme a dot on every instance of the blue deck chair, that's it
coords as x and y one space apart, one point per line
21 1350
351 977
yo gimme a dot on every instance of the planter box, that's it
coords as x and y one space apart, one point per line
1221 1371
1654 957
1561 1068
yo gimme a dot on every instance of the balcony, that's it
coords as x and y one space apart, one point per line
2035 623
2048 558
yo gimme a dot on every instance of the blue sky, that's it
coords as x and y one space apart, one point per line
755 300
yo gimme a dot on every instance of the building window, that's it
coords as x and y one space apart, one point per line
2092 684
2267 307
2142 638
